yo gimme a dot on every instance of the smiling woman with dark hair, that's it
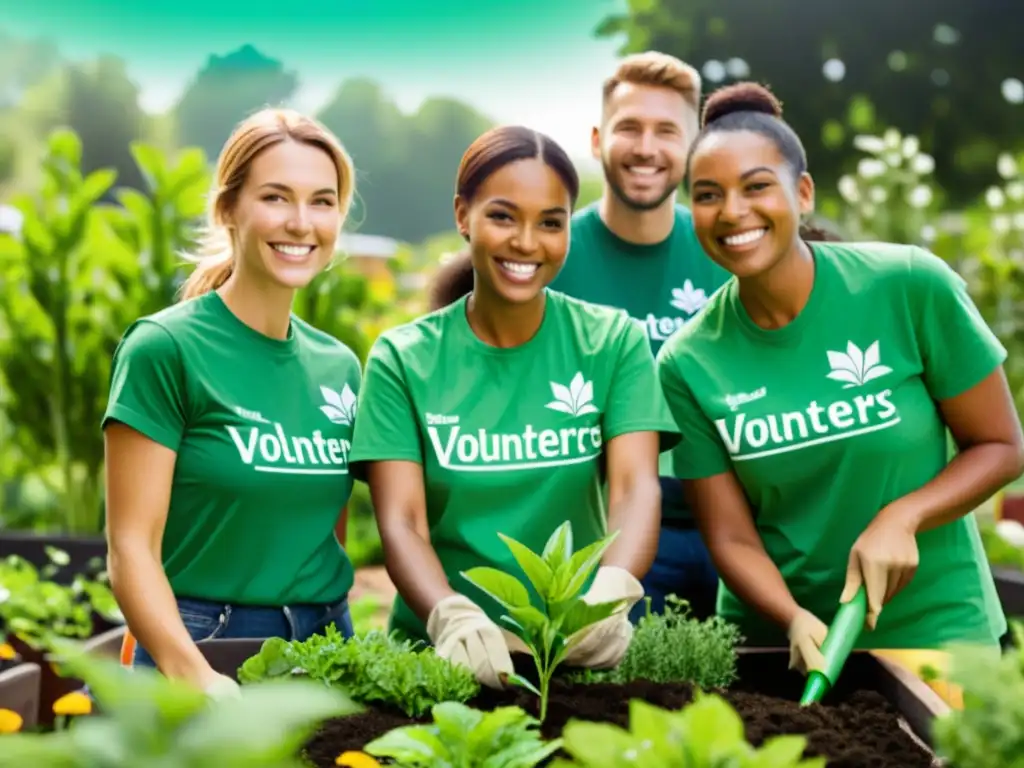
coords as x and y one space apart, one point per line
506 412
814 393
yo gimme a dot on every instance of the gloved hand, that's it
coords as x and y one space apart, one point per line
884 559
222 687
462 633
806 634
602 645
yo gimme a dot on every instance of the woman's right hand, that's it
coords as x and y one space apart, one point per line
806 634
462 633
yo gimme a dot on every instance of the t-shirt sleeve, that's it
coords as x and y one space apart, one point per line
958 349
148 386
700 452
635 402
386 427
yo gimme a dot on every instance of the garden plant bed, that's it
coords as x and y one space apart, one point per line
863 723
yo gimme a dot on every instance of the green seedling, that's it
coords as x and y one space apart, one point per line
558 576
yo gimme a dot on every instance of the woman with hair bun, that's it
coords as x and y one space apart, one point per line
814 393
510 410
230 419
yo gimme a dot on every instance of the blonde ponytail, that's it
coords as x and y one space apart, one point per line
209 275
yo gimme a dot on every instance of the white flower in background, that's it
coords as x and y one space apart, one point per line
870 144
879 194
1011 531
1007 166
870 169
922 164
867 210
920 196
894 159
1015 191
911 146
892 138
848 189
1018 221
1001 223
928 233
994 197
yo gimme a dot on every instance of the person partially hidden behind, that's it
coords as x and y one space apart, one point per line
814 394
229 420
504 412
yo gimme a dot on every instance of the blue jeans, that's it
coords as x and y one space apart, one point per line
212 621
682 565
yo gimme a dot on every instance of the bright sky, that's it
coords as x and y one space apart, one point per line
534 62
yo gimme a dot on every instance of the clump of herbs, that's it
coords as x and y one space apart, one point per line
507 737
371 668
674 647
989 731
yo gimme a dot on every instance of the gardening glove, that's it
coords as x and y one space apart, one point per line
806 634
462 633
222 687
602 645
883 559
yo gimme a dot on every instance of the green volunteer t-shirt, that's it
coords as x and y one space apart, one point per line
511 440
262 429
661 285
832 417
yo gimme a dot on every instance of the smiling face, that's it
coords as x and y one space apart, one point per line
643 142
518 229
746 202
286 218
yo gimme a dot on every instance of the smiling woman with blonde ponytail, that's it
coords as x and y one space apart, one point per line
229 421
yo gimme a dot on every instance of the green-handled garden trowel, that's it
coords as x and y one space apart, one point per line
841 637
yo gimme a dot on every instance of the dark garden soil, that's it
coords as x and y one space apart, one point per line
853 728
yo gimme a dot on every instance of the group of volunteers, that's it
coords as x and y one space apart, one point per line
760 412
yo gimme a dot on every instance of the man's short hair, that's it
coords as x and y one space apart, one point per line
660 70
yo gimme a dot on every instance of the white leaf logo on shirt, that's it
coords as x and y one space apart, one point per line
341 407
574 399
688 298
854 367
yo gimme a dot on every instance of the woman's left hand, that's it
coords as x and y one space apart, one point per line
883 559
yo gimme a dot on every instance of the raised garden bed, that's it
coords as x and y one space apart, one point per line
19 692
873 719
878 716
1010 586
84 552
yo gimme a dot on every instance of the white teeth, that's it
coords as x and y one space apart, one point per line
293 250
518 267
745 238
643 170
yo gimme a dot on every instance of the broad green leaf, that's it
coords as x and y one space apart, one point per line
582 565
594 744
151 162
781 752
65 145
558 549
416 744
536 570
527 752
501 586
718 723
95 186
453 720
529 618
583 615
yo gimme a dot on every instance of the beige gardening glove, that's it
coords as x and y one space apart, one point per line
602 645
222 687
806 634
462 633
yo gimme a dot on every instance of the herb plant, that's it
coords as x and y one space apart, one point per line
705 734
148 719
558 576
462 736
673 647
36 610
371 668
989 731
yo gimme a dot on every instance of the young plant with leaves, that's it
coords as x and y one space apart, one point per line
373 668
462 736
147 719
558 576
705 734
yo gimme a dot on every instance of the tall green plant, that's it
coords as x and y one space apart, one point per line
66 297
558 576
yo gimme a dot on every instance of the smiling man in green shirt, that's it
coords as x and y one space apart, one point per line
635 249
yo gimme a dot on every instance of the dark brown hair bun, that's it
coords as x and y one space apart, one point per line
740 97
